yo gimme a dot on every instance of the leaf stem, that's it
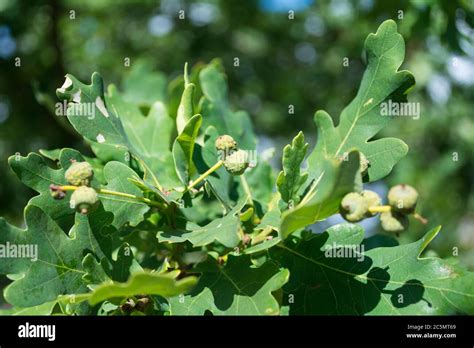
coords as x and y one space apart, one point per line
67 188
386 208
203 176
380 209
118 194
128 195
147 169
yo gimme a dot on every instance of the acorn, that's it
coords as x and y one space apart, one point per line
403 198
79 174
393 221
354 207
236 162
128 306
225 143
84 199
142 304
372 199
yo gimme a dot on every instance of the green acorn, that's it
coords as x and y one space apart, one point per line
372 199
364 164
354 207
79 174
225 143
393 221
128 306
403 198
84 199
236 162
142 304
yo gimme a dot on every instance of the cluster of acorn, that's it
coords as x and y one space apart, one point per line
84 198
235 161
140 303
402 199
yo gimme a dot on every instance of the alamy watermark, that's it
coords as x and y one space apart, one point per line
243 156
65 108
407 109
22 251
345 251
28 330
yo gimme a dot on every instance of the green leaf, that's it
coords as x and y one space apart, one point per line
150 138
95 271
149 135
58 269
323 198
361 120
124 265
183 149
96 118
238 288
42 309
331 275
143 85
53 155
165 285
216 112
290 180
90 115
269 223
271 219
119 269
224 230
96 163
261 180
264 246
186 105
108 152
125 210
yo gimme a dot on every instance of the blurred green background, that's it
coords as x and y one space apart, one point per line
283 62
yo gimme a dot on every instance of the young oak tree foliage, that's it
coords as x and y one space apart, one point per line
169 217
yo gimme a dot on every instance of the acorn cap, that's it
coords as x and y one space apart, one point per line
372 199
236 162
84 199
79 174
225 143
403 198
354 207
